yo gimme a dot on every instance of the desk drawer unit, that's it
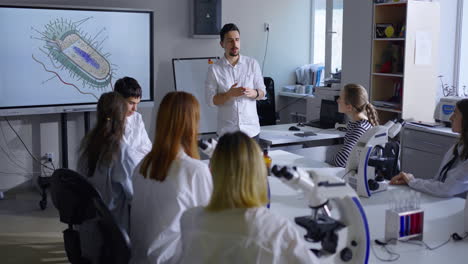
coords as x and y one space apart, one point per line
422 151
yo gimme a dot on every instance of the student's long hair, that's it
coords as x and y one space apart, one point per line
356 96
176 129
462 106
102 144
239 174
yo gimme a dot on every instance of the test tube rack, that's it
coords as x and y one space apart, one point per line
404 225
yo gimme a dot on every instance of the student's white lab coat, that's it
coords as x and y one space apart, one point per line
115 186
158 206
253 235
135 135
456 182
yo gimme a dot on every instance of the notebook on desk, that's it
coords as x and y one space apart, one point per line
329 115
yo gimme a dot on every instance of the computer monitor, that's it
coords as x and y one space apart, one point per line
329 115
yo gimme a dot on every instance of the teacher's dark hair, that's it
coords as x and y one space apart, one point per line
226 28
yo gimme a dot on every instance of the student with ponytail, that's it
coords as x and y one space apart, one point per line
355 104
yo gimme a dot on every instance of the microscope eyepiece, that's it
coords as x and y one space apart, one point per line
275 170
202 144
287 173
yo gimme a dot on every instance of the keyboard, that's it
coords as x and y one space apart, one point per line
305 134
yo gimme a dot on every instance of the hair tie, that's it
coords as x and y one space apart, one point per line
361 108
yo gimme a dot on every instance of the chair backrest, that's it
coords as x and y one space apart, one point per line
77 201
266 108
73 196
117 247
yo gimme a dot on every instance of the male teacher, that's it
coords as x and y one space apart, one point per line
233 84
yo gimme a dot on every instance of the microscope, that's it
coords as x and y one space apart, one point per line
207 146
338 221
374 159
466 214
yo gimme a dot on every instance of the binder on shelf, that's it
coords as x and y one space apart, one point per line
309 74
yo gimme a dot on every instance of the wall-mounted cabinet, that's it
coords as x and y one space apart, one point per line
405 59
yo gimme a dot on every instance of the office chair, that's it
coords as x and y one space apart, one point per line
78 203
266 108
117 248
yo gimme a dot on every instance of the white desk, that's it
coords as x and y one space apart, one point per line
280 135
442 217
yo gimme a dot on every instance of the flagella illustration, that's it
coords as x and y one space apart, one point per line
70 49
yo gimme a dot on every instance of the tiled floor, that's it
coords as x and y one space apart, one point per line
28 234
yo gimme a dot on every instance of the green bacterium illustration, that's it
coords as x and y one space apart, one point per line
67 46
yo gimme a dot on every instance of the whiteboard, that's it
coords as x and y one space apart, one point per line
189 76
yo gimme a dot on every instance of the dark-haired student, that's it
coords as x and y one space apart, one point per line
107 162
452 176
135 133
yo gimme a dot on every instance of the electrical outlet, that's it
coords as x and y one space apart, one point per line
267 26
49 156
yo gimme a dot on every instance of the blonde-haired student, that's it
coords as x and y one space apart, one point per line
236 227
354 102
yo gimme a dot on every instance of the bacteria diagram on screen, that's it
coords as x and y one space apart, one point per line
74 57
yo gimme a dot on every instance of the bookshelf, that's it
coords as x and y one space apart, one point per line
405 59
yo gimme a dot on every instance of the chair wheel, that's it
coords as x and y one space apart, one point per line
43 204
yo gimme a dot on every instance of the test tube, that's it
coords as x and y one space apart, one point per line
418 200
412 201
390 203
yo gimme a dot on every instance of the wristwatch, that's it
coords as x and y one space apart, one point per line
257 93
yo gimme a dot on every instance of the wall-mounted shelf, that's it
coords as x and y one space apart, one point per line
388 74
296 95
392 3
389 39
385 109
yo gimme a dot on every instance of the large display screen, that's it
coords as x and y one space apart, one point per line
64 57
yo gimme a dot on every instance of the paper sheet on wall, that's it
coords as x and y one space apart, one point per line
423 48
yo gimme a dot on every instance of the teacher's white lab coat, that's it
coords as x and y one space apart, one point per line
135 135
456 182
158 206
253 235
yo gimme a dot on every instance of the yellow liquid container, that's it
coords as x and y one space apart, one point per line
267 160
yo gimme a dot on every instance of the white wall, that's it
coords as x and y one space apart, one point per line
288 48
289 40
448 27
357 44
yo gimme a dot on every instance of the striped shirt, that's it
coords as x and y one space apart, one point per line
353 133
